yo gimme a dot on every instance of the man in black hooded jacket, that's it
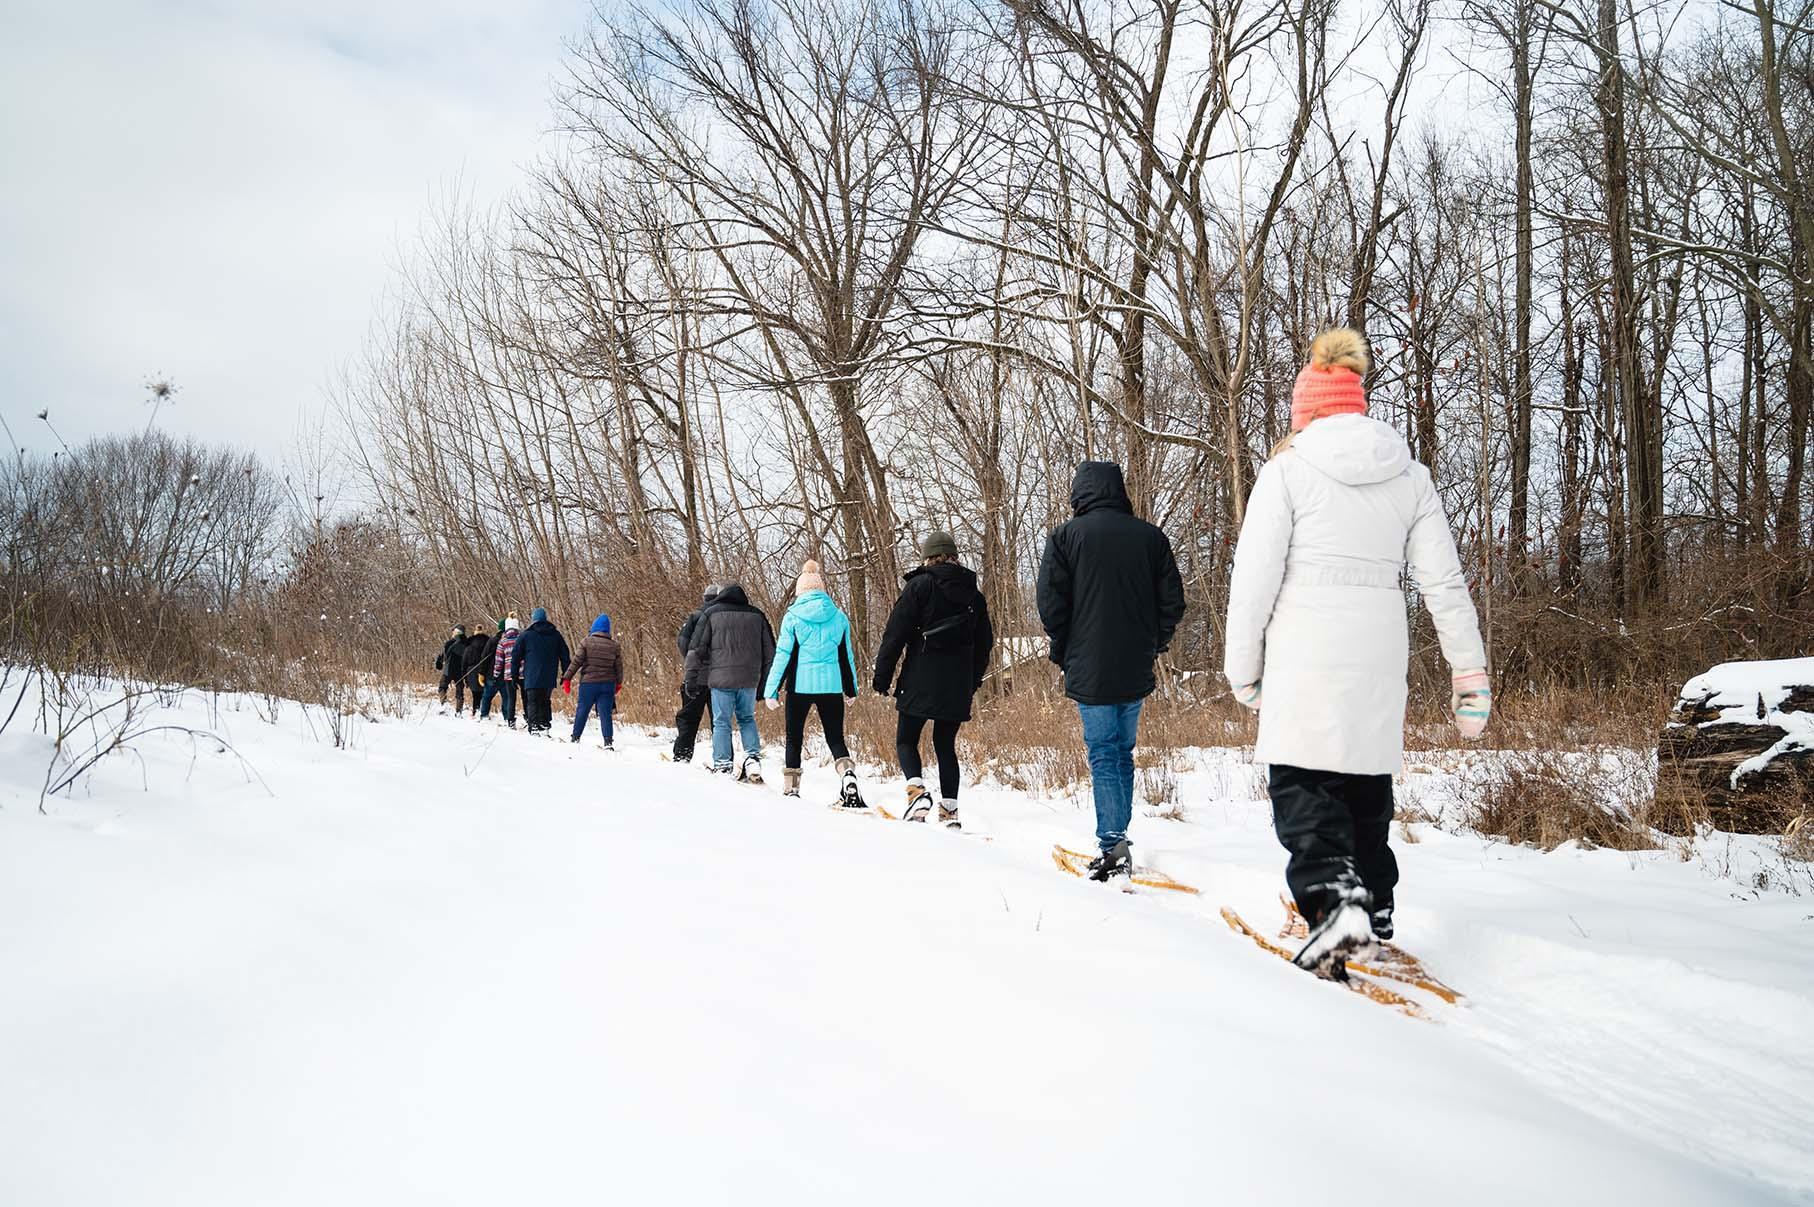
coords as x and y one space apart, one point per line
1110 598
695 707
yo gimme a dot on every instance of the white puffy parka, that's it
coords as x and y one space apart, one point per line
1316 609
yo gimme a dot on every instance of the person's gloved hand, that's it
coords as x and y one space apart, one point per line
1248 695
567 686
1472 701
773 703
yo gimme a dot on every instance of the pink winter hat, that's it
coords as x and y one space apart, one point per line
1331 383
810 579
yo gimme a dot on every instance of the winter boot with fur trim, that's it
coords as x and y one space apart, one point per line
790 781
919 801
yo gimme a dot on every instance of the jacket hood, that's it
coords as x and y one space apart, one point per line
1353 449
711 593
815 606
1098 485
602 624
542 626
732 593
953 581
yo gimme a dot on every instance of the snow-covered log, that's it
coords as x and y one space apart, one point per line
1741 744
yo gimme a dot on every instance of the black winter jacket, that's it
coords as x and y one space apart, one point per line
448 660
941 635
690 625
474 656
1109 592
542 653
733 644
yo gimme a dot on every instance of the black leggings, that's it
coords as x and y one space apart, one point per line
907 732
831 720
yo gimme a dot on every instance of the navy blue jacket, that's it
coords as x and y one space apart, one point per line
542 653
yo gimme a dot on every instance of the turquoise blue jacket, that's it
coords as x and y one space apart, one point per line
812 654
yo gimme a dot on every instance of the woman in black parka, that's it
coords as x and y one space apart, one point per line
940 636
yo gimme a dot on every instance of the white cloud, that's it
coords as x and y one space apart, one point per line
219 191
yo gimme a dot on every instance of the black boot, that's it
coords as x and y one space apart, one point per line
1118 860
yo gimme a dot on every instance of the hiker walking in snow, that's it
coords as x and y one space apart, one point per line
940 635
545 657
813 658
473 661
697 706
732 649
1110 599
448 663
506 670
1317 642
599 667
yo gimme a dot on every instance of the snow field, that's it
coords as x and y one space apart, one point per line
455 964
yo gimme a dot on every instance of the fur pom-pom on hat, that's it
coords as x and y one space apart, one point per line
1331 383
810 578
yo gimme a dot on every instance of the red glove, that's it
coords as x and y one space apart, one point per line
567 686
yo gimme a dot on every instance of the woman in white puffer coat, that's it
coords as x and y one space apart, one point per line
1318 643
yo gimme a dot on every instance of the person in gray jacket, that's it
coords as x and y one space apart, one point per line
733 645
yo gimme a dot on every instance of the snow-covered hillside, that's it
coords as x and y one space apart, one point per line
454 964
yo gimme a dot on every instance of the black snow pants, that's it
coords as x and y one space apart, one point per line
538 708
831 720
693 710
1335 827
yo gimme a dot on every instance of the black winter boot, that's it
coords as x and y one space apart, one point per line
1118 860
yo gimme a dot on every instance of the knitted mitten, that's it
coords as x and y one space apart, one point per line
1472 700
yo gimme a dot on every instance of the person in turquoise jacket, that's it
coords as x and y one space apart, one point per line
813 658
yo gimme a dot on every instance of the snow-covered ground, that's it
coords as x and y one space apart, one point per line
453 964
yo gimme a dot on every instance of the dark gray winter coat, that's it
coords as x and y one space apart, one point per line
733 644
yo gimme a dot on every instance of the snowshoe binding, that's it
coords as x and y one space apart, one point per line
919 801
947 815
1115 863
1343 930
750 772
790 782
850 797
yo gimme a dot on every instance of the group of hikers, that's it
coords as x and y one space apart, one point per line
515 662
1316 642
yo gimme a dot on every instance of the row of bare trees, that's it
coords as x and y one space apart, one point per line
806 277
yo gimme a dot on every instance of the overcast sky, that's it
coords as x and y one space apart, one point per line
219 190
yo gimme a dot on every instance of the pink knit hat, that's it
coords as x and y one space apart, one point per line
1331 383
810 579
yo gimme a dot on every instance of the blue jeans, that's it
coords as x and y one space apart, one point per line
603 697
725 702
1109 731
